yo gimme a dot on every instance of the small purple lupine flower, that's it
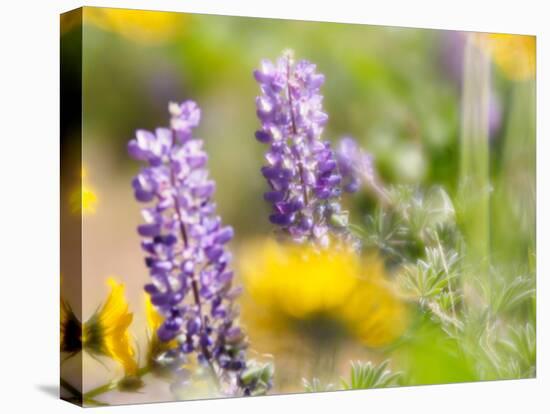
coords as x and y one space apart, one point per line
355 165
301 170
185 245
357 168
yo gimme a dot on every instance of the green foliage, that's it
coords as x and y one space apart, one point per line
505 296
258 376
315 385
367 375
363 375
429 355
429 277
521 349
455 341
413 220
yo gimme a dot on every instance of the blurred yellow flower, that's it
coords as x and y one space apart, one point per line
137 25
374 312
89 200
297 281
153 318
106 332
83 200
289 283
515 55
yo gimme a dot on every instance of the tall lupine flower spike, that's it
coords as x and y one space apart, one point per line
357 168
301 168
184 241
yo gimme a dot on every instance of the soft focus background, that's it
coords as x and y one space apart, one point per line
397 91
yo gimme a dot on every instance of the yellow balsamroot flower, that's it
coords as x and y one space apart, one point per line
155 346
84 198
137 25
515 55
106 332
89 200
289 283
375 312
299 282
153 318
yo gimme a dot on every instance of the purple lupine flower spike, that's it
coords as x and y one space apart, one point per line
184 241
301 170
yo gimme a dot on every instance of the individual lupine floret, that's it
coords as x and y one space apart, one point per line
357 168
301 168
185 242
355 165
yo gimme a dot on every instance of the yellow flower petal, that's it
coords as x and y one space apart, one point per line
137 25
107 331
299 283
375 313
515 55
154 319
83 200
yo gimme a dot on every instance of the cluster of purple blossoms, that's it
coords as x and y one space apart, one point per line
357 169
301 170
184 241
355 165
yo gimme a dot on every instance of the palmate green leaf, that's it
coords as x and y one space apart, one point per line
447 300
507 297
386 231
521 349
413 220
515 293
315 385
367 375
504 295
423 212
421 280
429 277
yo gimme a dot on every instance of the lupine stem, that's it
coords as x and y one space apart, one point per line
194 284
294 130
111 385
446 268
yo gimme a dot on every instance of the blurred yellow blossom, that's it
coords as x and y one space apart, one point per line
106 332
297 281
83 200
89 200
374 312
515 55
155 347
153 318
137 25
290 283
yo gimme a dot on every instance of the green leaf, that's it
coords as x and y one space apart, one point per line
367 375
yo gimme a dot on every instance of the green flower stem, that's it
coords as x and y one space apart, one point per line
111 385
474 183
514 200
449 287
